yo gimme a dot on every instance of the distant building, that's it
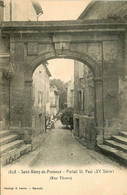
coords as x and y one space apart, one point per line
70 93
21 10
54 100
41 102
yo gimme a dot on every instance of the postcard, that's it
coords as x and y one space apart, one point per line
63 97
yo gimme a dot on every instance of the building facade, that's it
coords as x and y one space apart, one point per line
41 103
22 10
12 10
54 101
84 123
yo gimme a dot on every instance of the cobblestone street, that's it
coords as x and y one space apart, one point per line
59 147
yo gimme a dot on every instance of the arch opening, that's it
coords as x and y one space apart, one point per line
82 108
83 58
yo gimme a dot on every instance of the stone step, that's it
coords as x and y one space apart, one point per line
10 146
7 139
117 145
14 154
120 139
123 133
4 133
114 153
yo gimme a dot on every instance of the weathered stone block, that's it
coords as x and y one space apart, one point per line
62 46
62 38
86 129
32 48
110 51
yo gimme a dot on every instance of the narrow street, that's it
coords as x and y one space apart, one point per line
59 147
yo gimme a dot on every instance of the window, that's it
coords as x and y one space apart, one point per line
80 100
40 97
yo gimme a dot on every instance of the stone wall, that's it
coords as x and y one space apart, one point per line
86 130
114 87
4 81
123 102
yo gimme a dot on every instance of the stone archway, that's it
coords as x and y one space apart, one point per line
84 58
31 43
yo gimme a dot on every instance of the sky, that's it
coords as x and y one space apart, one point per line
62 10
61 69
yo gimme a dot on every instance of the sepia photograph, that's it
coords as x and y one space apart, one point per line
63 97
